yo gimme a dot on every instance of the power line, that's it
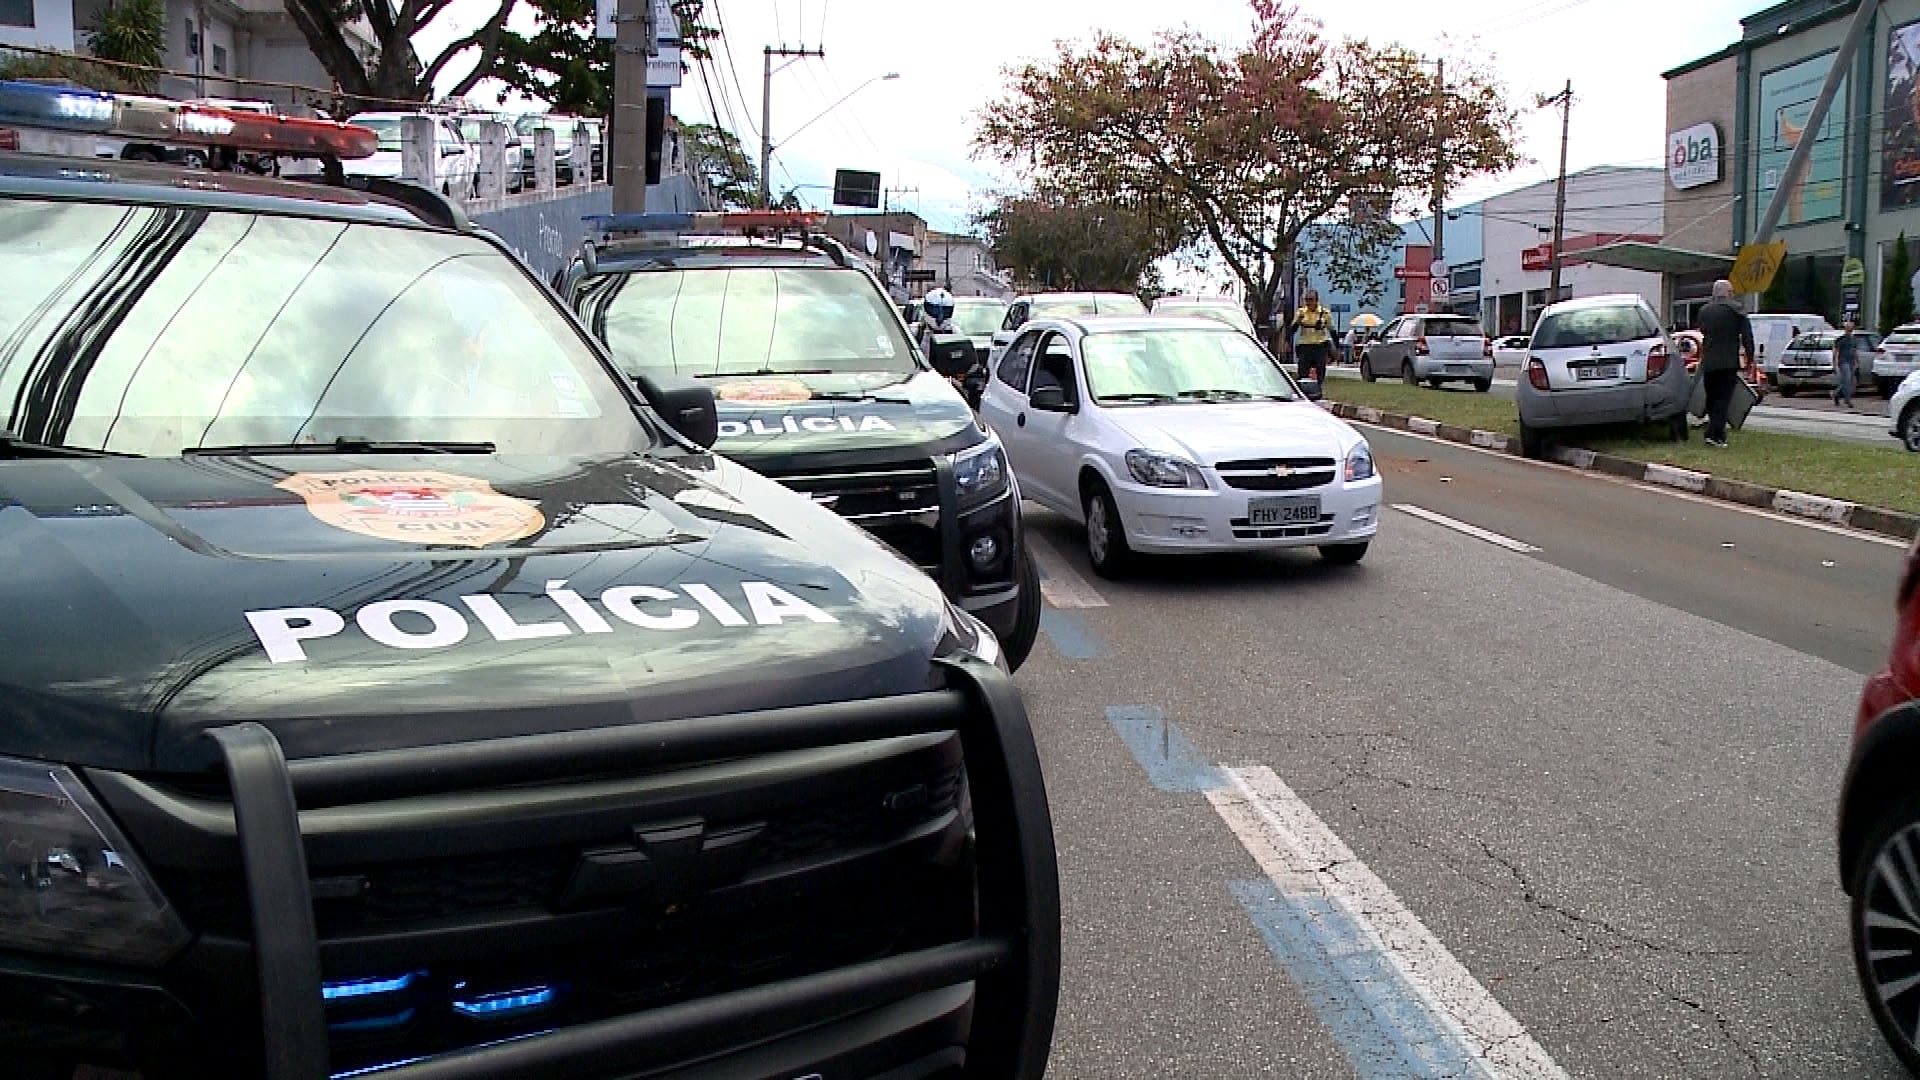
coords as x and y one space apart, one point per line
720 24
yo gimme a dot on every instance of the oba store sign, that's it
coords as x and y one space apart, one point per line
1693 156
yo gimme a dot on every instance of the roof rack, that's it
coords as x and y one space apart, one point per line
626 233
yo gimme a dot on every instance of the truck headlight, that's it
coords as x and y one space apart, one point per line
70 883
968 634
1360 464
1156 469
980 474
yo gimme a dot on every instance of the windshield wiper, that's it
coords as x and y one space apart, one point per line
1232 395
759 372
858 395
1136 397
13 446
345 444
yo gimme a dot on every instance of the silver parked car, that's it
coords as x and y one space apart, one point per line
1434 349
1897 358
1807 363
1600 360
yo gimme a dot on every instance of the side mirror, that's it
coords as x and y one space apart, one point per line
688 408
1050 399
451 150
951 355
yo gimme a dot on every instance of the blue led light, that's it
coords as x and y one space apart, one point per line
360 988
506 1001
61 108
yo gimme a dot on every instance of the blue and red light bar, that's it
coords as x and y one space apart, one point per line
730 223
130 116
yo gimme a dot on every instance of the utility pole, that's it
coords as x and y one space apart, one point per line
766 111
1440 161
1565 100
634 41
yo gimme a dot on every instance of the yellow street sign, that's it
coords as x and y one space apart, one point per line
1755 266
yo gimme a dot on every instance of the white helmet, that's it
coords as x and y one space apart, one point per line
938 305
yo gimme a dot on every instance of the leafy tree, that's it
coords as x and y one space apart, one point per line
131 32
78 70
392 70
565 65
788 200
1896 288
1060 242
718 155
1249 146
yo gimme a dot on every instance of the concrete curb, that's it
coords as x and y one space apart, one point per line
1873 519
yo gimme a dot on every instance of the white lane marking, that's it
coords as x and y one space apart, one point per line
1459 526
1060 584
1303 857
1675 493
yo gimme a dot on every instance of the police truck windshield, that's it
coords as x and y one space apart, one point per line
746 320
156 331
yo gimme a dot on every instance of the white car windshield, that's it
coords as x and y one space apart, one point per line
978 318
1226 314
1185 365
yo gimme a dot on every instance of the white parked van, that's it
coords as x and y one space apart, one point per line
1773 333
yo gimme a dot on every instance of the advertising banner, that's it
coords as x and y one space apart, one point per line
1900 151
1786 103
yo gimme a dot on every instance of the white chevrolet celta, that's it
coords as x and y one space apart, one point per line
1166 434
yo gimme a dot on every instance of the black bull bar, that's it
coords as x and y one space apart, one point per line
1013 959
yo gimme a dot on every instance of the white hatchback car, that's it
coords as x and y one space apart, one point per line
1170 435
1904 407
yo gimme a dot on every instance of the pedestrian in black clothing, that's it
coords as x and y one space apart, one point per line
1846 364
1724 332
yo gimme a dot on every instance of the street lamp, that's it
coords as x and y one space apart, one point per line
766 122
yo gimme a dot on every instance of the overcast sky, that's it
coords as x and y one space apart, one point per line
917 130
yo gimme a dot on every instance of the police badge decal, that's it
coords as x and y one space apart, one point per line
416 506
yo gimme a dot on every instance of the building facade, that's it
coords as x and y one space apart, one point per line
215 46
1734 119
965 266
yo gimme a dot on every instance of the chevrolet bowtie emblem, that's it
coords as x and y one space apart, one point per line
1282 471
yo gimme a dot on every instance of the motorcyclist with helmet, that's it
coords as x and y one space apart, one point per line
936 318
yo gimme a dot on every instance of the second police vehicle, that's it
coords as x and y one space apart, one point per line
821 387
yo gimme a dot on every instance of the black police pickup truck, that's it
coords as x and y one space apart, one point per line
819 387
387 685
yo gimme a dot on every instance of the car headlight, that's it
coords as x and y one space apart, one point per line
69 882
980 474
1360 464
968 634
1163 470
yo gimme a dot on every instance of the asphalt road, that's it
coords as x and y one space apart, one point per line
1598 775
1800 415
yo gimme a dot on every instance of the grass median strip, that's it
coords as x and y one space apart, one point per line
1855 472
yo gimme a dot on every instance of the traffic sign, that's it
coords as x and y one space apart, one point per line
1339 309
1754 267
1853 272
1437 288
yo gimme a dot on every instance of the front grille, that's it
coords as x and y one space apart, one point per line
898 505
1277 474
356 899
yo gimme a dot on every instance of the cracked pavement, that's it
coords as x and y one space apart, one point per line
1606 785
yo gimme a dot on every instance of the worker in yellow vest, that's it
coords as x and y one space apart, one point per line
1312 337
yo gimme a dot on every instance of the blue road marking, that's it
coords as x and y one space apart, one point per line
1071 636
1169 760
1380 1021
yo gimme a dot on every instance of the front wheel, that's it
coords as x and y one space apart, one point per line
1787 390
1886 943
1026 623
1106 534
1482 385
1910 427
1436 383
1366 369
1406 373
1677 427
1344 554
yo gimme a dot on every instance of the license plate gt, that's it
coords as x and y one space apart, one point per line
1597 371
1290 510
